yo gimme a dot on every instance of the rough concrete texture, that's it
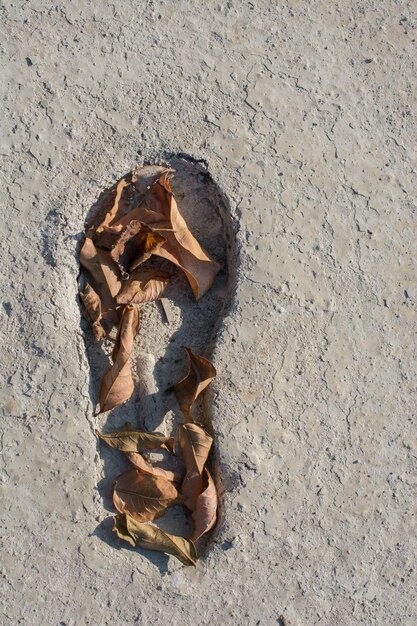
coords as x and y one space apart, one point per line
304 113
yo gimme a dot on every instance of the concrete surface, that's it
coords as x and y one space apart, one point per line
304 113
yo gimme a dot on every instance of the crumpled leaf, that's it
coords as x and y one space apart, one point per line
144 285
195 444
92 311
181 247
143 496
156 221
107 238
129 440
117 384
145 195
136 243
150 537
200 374
205 511
111 210
125 197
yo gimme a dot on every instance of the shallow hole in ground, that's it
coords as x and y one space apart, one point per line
158 358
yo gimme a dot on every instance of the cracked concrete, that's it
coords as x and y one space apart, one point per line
304 113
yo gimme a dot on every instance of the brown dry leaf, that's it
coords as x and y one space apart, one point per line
92 311
181 247
133 442
107 238
195 444
140 463
136 243
143 496
191 487
111 212
150 537
129 440
200 374
156 221
145 195
117 384
125 196
104 282
110 271
204 515
144 285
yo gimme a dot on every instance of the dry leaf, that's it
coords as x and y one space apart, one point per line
140 463
133 442
129 440
110 213
117 384
125 196
200 374
107 238
144 285
104 283
195 444
145 195
204 515
191 487
136 243
143 496
110 271
156 221
150 537
92 311
181 247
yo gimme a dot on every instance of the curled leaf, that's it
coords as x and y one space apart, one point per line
136 243
145 195
140 463
110 272
195 444
191 488
144 285
103 280
117 384
129 440
200 374
125 196
133 442
92 311
205 511
143 496
110 202
150 537
181 247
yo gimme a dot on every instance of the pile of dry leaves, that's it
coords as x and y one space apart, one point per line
136 226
